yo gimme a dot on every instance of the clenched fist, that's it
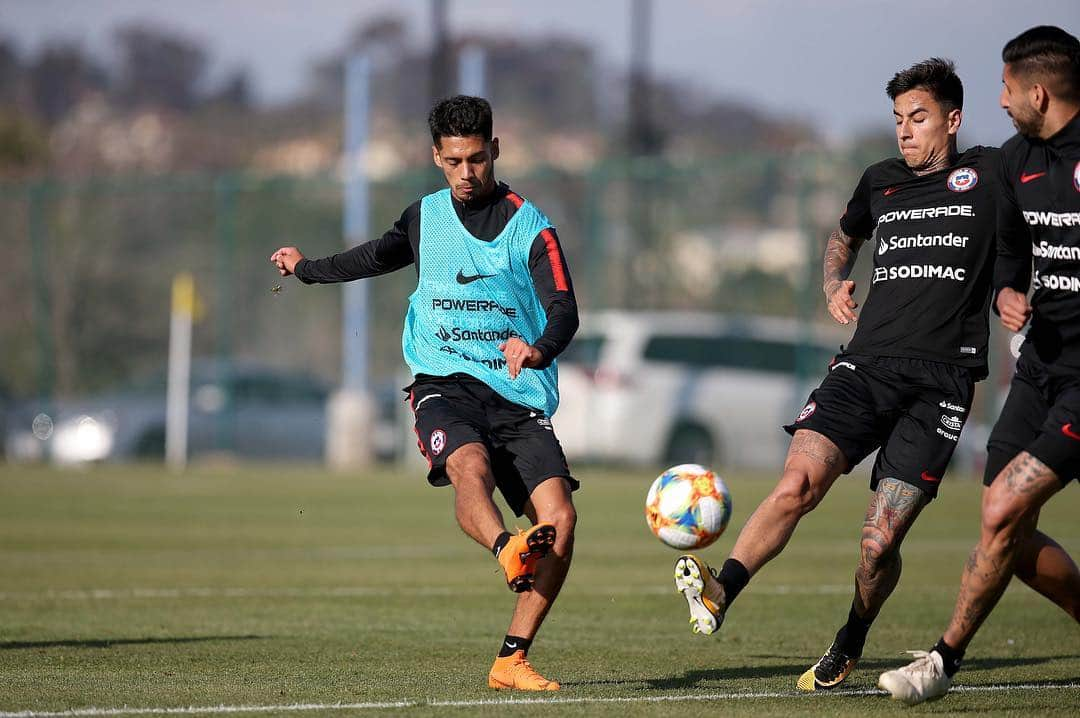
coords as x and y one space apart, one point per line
285 260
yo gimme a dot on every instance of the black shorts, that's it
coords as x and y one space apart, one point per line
912 409
1042 417
459 409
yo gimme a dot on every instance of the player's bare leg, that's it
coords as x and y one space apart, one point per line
550 503
893 509
1010 510
469 470
1009 513
813 464
1049 569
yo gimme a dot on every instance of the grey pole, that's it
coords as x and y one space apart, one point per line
355 311
351 415
471 68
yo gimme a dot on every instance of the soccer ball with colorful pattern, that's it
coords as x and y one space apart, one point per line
688 507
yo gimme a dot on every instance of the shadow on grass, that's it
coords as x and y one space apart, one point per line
989 664
110 642
696 678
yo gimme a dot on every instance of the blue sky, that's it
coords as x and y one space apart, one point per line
821 61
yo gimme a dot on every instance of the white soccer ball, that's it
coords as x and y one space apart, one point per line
688 507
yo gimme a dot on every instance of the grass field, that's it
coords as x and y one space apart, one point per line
127 591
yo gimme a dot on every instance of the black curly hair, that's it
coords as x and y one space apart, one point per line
460 116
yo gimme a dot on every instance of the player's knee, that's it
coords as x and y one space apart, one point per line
1002 521
795 494
564 518
876 549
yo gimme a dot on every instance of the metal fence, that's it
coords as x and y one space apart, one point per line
90 263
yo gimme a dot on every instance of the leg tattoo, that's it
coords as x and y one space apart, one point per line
892 510
1010 511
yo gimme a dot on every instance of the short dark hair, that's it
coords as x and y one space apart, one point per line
1047 52
460 116
937 76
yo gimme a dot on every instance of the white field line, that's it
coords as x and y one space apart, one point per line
110 594
306 707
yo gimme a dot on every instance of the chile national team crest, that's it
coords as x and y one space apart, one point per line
963 179
437 442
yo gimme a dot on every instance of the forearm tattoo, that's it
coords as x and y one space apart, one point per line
840 254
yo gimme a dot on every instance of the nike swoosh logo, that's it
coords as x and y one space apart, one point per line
890 191
1024 178
1067 431
463 279
928 477
511 645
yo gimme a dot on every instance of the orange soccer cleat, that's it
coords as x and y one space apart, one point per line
520 554
515 672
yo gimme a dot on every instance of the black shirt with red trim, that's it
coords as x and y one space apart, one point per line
484 218
1039 239
933 243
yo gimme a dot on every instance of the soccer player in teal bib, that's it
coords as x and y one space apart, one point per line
493 308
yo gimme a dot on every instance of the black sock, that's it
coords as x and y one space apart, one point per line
512 644
733 577
951 657
852 636
497 547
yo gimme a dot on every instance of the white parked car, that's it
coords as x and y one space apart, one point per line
664 388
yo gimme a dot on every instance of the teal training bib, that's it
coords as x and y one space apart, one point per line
472 296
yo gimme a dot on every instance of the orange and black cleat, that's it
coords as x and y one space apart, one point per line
515 672
520 554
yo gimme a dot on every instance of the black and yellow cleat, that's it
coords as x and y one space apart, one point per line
833 668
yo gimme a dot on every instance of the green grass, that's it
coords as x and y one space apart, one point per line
126 586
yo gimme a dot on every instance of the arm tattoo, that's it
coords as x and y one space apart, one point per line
840 254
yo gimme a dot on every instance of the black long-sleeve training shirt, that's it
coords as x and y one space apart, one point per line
1039 219
485 219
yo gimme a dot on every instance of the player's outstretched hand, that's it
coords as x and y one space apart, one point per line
285 260
1014 309
519 355
838 297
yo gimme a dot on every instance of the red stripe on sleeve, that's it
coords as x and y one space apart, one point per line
516 199
557 270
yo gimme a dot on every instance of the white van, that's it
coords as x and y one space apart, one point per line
664 388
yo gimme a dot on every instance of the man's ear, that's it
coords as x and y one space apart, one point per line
435 156
494 148
955 118
1040 98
